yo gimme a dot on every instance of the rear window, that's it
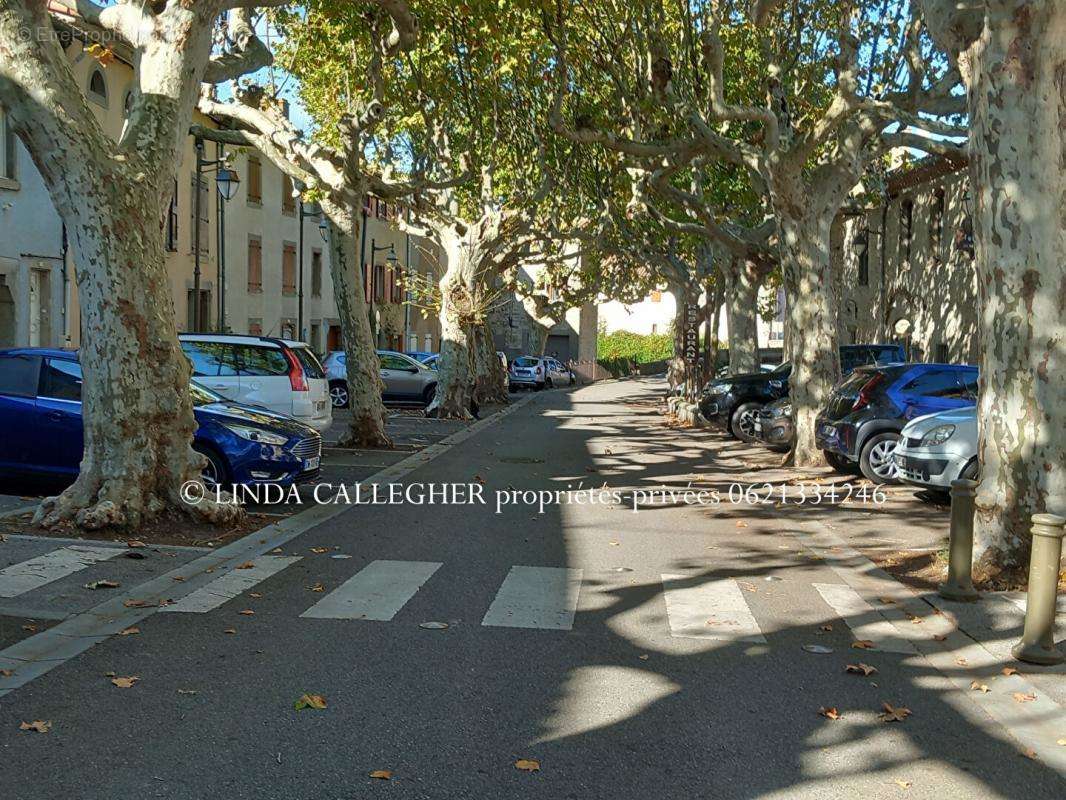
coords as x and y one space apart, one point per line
259 362
312 368
210 359
18 375
937 383
523 361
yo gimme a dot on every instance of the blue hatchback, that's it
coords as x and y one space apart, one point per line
860 423
41 428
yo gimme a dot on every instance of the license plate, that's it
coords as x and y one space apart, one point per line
312 463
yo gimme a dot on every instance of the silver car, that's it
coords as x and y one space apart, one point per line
406 380
938 448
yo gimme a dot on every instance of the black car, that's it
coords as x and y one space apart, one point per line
861 421
734 401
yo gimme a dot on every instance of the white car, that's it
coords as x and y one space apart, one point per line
528 371
278 374
558 373
938 448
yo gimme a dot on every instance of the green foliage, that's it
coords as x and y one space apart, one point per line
624 346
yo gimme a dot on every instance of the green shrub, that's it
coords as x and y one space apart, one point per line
615 351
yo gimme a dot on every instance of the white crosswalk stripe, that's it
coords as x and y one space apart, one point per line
376 592
866 622
227 586
36 572
536 597
709 610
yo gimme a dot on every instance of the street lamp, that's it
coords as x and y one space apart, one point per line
227 181
313 210
392 259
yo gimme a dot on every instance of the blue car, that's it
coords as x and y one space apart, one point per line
420 355
861 422
41 428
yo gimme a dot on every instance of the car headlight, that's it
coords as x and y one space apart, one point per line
256 434
719 388
938 435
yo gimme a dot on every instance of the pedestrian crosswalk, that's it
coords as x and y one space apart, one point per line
526 596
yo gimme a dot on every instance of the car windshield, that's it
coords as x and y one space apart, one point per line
202 396
525 361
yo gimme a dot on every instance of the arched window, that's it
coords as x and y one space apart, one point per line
98 87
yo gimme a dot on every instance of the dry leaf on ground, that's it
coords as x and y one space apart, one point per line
319 550
246 613
104 584
893 713
527 764
246 565
977 686
230 630
318 587
1029 753
861 669
135 543
381 774
315 701
30 628
38 725
138 603
903 784
125 682
1010 671
129 631
863 644
830 712
6 673
1023 697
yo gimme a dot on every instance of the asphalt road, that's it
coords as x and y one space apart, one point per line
653 654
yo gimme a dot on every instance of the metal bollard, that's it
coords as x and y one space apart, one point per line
959 585
1037 645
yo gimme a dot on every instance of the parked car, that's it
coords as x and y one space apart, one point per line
279 374
937 449
422 356
41 427
865 413
433 362
723 372
734 401
558 373
404 378
773 425
528 372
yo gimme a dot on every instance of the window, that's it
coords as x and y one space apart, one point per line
205 310
288 268
199 184
316 273
391 361
937 383
255 180
18 375
936 225
942 353
8 151
172 220
864 259
255 264
906 219
429 343
61 380
98 88
210 359
257 361
379 282
288 330
288 202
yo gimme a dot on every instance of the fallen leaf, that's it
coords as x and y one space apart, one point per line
104 584
318 587
962 662
527 765
315 701
138 603
893 713
276 550
188 691
613 544
1029 753
863 644
230 630
125 683
1008 671
1062 741
886 600
135 543
479 479
864 669
6 673
644 657
247 613
741 523
255 595
319 549
246 565
903 784
39 725
826 628
830 713
178 578
1023 697
129 631
30 628
381 774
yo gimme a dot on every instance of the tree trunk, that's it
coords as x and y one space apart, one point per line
137 414
458 306
805 261
1017 147
363 372
742 315
715 293
490 378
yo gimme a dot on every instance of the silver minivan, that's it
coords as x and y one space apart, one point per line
279 374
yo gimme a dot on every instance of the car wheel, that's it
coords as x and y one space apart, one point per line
876 462
969 472
338 394
838 462
742 422
428 394
215 471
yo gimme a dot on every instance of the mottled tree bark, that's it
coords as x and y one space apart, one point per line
458 309
490 378
363 371
742 316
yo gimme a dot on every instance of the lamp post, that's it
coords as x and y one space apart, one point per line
392 259
227 181
313 211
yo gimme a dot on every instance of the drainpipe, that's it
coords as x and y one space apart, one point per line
65 251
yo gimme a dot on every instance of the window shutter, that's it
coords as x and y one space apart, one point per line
255 265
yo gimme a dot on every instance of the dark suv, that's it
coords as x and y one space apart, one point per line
734 402
861 421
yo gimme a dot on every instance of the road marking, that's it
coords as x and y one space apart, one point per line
536 597
717 610
376 592
865 621
227 586
35 573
